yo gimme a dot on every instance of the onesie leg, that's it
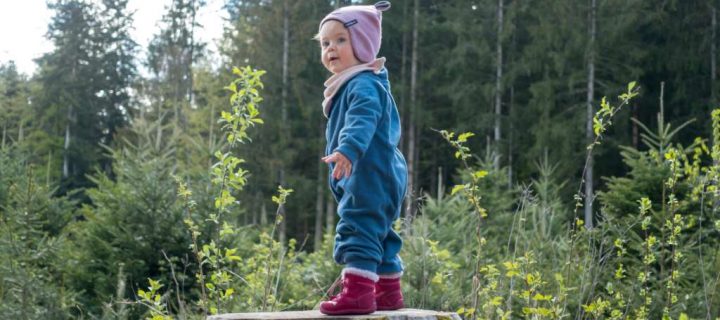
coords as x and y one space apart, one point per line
391 262
359 234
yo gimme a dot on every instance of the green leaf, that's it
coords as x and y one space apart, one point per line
480 174
631 85
457 188
597 126
541 297
464 136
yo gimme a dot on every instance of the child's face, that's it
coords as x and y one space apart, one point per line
337 51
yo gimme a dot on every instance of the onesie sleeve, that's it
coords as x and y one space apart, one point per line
361 119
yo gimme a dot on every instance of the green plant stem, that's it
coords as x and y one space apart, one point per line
578 198
198 257
478 237
673 208
647 274
278 214
663 212
700 252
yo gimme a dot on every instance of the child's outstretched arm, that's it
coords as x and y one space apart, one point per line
361 119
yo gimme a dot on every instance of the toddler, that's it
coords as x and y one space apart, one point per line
368 174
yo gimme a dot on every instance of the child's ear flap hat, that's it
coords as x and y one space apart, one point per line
364 25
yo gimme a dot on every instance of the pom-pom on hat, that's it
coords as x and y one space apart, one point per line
364 25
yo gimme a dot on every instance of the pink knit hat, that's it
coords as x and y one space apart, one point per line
364 25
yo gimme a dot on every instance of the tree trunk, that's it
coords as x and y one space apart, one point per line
211 135
66 147
286 49
256 209
284 113
440 184
2 146
47 169
498 83
404 108
263 213
21 131
510 138
410 198
320 194
713 57
188 71
330 215
158 129
589 134
403 77
635 129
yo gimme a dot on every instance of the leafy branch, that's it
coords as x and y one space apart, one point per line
471 191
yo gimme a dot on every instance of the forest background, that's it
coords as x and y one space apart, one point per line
108 175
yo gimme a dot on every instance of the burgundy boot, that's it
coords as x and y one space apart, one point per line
388 294
357 297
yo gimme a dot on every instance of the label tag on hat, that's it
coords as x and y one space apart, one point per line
382 5
350 23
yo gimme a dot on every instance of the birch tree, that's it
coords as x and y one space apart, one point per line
589 135
498 82
412 109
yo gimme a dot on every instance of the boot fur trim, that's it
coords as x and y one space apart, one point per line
361 273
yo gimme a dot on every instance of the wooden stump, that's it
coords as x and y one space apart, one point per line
402 314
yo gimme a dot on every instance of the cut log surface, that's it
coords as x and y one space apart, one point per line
402 314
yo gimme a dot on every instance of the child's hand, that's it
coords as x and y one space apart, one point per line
343 166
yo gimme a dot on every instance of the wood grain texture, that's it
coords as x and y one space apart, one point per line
402 314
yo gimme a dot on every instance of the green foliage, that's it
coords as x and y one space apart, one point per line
153 301
32 256
130 228
433 275
216 283
151 210
227 280
85 86
662 242
603 118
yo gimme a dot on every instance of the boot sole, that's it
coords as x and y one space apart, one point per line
347 312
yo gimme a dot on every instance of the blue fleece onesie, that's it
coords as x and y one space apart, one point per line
364 125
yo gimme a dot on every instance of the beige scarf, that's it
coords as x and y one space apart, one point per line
333 84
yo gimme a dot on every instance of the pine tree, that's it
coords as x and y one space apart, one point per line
32 261
118 69
136 217
85 83
70 80
14 105
171 56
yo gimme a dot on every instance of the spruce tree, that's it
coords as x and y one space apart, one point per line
85 83
70 80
